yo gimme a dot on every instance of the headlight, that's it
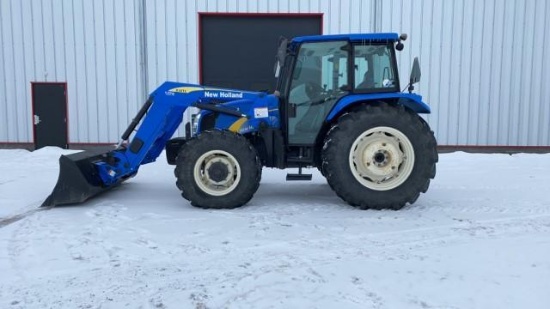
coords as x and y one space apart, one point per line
195 119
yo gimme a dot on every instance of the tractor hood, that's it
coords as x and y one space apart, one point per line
229 105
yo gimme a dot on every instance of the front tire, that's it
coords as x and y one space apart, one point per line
379 157
218 169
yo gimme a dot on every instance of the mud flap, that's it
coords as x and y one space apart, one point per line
78 179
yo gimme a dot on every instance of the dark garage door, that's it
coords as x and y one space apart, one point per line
238 51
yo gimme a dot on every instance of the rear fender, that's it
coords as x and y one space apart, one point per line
410 100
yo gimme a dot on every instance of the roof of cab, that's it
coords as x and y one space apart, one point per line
348 37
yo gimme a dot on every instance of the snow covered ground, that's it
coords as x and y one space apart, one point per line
480 238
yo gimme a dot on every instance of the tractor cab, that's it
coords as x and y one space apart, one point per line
315 72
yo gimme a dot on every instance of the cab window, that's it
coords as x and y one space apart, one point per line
374 68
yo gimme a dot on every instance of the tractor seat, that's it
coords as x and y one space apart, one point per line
368 82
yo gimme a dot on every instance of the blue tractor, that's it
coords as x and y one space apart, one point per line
337 107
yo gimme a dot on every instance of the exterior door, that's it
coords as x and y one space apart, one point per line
49 103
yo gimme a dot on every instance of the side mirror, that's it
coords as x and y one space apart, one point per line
280 56
277 69
399 46
281 51
403 37
415 72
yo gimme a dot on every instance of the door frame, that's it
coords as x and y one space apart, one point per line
206 14
66 110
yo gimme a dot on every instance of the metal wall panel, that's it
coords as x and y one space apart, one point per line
14 32
485 64
92 45
172 34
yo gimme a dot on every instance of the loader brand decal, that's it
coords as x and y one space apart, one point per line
223 94
210 92
186 89
246 129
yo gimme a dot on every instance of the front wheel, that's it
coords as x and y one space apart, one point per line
379 157
218 169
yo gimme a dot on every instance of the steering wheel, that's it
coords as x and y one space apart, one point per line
314 91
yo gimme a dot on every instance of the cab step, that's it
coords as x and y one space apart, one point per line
299 176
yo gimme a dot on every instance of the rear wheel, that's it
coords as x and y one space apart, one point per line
379 157
218 169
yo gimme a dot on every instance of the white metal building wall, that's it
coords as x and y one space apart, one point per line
173 38
92 45
485 64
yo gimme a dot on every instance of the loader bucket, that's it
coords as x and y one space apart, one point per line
78 179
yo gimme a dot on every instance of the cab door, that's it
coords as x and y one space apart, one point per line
319 79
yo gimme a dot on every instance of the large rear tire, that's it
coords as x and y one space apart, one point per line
218 169
380 157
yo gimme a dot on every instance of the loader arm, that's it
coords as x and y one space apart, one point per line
86 174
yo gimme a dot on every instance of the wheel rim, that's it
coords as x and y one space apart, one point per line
381 158
208 176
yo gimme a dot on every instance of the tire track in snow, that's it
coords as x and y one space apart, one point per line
21 239
481 207
404 244
14 218
209 282
397 247
92 243
106 221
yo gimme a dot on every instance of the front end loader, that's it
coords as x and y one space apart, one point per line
86 174
337 107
